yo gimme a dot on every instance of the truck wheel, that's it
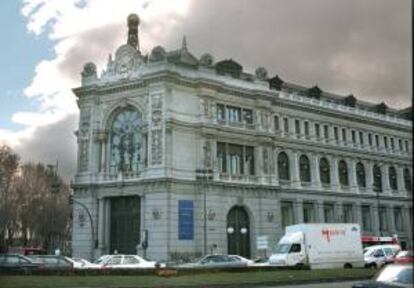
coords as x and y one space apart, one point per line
348 266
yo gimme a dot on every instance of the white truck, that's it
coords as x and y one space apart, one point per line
328 245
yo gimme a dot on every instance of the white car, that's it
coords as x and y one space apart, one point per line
243 259
379 255
80 263
119 261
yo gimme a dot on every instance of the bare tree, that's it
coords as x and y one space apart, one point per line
9 163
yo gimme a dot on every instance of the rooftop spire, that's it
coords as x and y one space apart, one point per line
133 22
184 44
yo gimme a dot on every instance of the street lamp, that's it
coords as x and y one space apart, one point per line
93 239
377 188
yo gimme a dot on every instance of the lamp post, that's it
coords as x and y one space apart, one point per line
94 240
377 188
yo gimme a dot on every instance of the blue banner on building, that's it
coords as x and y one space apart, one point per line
185 220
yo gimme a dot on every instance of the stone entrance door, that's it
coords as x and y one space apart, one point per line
125 224
238 232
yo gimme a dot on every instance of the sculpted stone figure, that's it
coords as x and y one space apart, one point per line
89 69
261 73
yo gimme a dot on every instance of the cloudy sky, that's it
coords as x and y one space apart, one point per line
361 47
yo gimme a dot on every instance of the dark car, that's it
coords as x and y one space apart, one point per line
17 262
391 276
52 262
214 261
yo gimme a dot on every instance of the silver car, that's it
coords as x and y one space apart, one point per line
214 261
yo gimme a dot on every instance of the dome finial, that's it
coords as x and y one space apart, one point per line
133 22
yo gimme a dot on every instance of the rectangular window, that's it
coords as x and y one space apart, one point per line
317 130
406 146
398 219
370 139
308 213
377 141
328 213
276 123
248 116
400 145
383 219
386 142
233 114
336 133
235 159
287 213
353 136
348 213
306 128
326 131
344 134
286 125
366 217
249 160
185 220
221 116
361 138
392 143
297 126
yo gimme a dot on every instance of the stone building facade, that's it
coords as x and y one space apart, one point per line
200 156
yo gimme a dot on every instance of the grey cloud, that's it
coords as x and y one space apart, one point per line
55 142
300 40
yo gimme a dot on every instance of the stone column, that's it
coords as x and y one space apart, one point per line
298 206
101 225
407 225
374 219
319 209
338 212
400 180
381 143
353 185
292 131
357 216
369 176
312 134
391 219
334 173
294 168
385 179
314 163
331 138
276 178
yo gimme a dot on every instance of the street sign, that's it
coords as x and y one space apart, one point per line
262 242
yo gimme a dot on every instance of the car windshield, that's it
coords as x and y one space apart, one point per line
282 248
396 274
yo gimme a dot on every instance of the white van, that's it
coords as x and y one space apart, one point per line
328 245
379 255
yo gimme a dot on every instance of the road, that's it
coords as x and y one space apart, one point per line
322 285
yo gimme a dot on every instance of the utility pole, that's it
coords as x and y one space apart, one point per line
203 175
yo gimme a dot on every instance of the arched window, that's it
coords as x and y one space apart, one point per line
304 169
324 171
360 175
343 173
125 141
392 173
407 180
283 166
377 178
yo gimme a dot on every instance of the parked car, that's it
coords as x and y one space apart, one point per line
126 261
80 263
17 262
212 261
379 255
393 275
53 262
405 257
243 259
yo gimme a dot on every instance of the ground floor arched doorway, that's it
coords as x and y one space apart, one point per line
238 232
125 224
